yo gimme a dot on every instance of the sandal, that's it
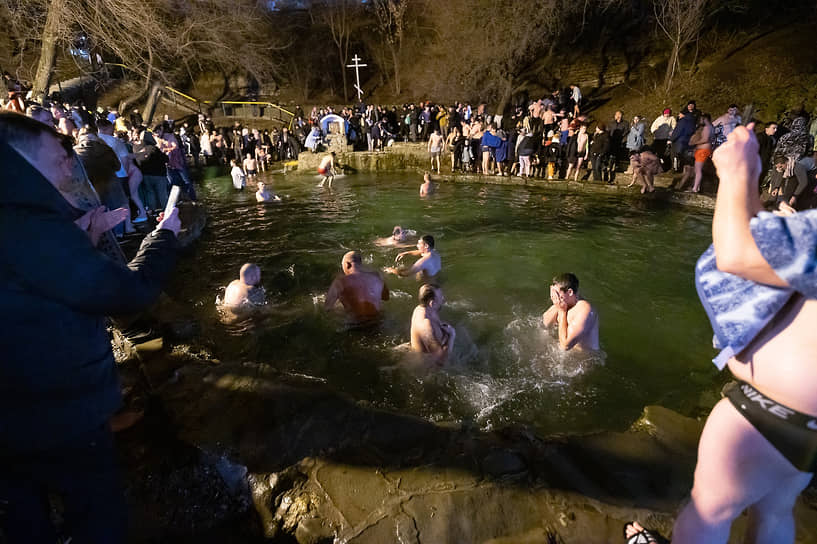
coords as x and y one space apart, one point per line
643 536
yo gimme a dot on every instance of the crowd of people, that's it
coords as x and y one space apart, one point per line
758 450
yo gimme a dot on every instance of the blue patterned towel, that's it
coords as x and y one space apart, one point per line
739 308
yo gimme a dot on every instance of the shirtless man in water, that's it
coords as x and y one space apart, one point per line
245 290
264 195
761 455
426 267
577 320
327 169
360 291
429 335
427 187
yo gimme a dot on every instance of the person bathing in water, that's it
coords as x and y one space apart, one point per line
399 238
426 267
327 169
264 195
427 187
429 335
246 290
359 290
577 322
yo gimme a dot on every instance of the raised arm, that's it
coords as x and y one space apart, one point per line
738 165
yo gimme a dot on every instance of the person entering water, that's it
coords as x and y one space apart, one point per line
327 169
577 321
359 290
429 335
426 267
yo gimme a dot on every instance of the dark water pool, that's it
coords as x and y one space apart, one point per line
500 247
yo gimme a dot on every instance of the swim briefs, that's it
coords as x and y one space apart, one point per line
792 433
702 154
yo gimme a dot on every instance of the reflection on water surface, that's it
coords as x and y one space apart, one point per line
500 247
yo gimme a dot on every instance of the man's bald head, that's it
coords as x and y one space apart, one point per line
351 260
250 274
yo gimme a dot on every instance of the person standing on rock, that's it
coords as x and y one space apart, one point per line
59 385
327 169
435 147
359 290
575 318
758 285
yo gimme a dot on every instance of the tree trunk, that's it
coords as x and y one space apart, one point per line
673 62
507 92
150 105
48 54
343 73
396 70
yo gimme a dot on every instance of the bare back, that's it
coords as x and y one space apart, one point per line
361 294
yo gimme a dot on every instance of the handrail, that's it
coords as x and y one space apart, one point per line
188 97
220 102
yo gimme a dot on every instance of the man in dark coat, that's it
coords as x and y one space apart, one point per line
58 380
683 131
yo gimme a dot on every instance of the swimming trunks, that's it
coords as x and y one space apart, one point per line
251 172
702 154
323 171
792 433
435 154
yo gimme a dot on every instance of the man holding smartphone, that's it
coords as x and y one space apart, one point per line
58 382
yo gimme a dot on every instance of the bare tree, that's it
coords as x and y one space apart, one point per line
342 17
161 40
391 20
681 21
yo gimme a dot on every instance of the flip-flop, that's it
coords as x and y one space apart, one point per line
641 537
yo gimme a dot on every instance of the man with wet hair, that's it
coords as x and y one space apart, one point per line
426 267
577 322
430 335
246 289
359 290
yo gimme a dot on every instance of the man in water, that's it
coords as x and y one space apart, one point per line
250 167
435 147
427 187
247 289
263 195
327 169
576 319
429 335
426 267
398 238
757 450
361 291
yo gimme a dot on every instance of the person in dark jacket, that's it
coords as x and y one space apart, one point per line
599 148
683 131
58 381
153 163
